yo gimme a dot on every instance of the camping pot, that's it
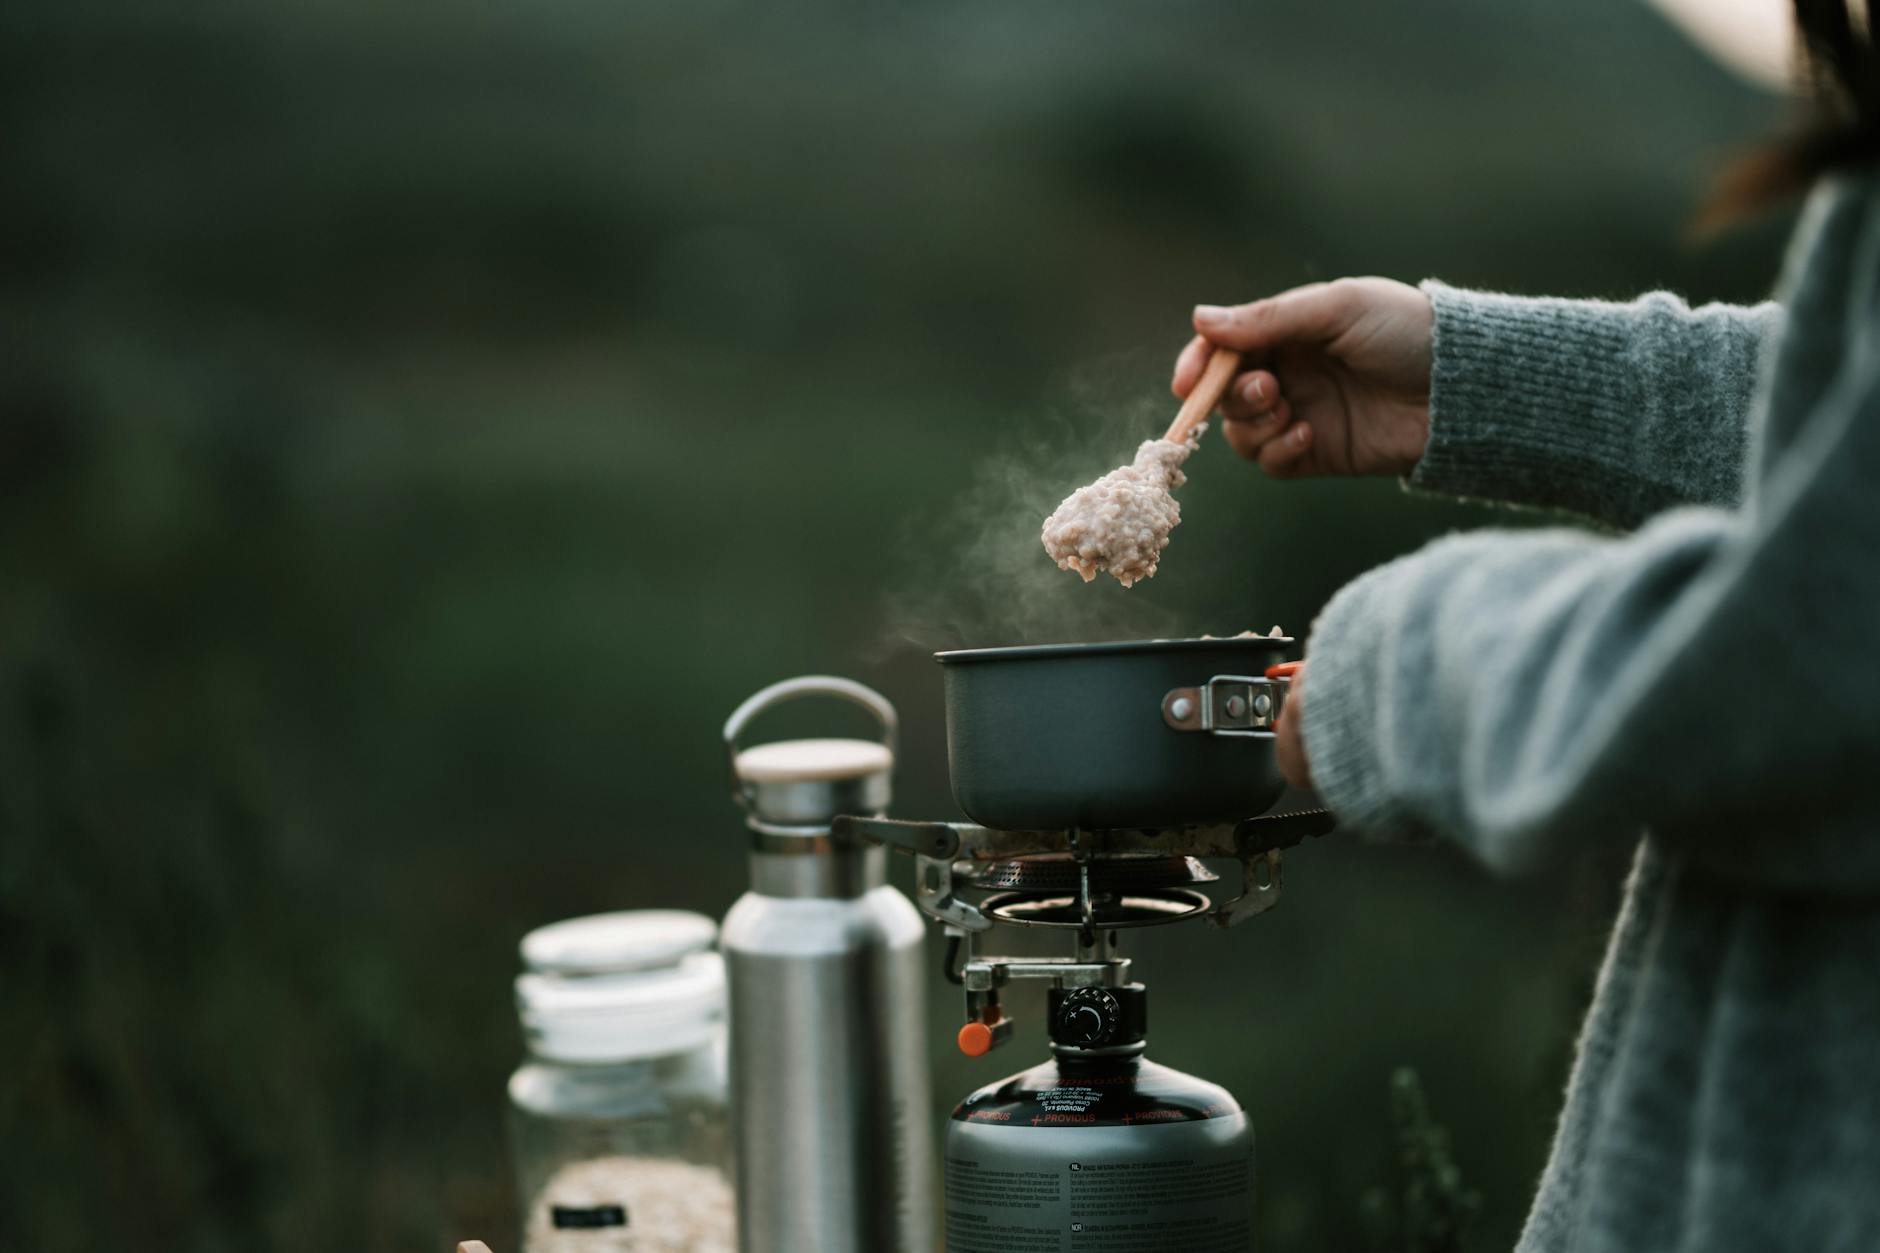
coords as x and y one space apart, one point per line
1148 733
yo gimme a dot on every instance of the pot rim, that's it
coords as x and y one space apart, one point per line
1021 652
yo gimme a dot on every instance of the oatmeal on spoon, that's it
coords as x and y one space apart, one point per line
1121 522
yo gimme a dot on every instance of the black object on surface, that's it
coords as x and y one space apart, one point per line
1093 1018
1072 735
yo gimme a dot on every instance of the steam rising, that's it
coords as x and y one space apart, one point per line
987 582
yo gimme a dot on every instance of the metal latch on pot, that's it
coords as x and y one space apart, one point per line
1227 704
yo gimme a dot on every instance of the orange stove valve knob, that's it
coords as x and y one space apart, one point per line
977 1038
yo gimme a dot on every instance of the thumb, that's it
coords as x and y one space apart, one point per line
1313 314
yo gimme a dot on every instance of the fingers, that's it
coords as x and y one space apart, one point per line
1259 422
1289 742
1188 367
1314 314
1252 395
1256 413
1283 456
1248 435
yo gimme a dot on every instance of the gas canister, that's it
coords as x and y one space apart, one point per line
1099 1150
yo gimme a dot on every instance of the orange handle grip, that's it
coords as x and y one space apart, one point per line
1284 670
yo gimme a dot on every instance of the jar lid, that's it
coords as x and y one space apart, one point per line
627 940
612 987
606 1018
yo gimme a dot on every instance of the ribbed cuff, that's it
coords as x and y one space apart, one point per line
1527 403
1345 703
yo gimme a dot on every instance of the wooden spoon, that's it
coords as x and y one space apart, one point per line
1215 377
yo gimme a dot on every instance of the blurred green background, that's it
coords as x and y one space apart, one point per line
423 423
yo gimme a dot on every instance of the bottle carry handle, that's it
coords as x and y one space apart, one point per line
807 685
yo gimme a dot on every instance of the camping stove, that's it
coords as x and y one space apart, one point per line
1097 1148
1091 884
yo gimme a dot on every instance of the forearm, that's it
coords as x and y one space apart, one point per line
1708 677
1613 411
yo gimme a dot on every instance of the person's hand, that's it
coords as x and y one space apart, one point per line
1289 746
1336 378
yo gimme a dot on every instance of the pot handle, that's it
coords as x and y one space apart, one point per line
811 685
1231 704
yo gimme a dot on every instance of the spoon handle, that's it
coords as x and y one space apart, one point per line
1215 377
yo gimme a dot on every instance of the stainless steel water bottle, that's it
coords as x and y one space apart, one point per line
829 1089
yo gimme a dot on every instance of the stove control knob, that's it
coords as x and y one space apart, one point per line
1087 1018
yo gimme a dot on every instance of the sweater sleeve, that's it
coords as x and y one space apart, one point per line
1614 411
1711 676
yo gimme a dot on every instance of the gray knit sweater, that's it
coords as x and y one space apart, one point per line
1707 675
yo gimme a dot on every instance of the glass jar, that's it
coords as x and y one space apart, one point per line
618 1115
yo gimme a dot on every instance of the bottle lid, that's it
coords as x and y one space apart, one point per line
614 987
805 783
813 761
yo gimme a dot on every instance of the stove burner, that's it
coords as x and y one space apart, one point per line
1109 911
952 859
1093 883
1059 873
